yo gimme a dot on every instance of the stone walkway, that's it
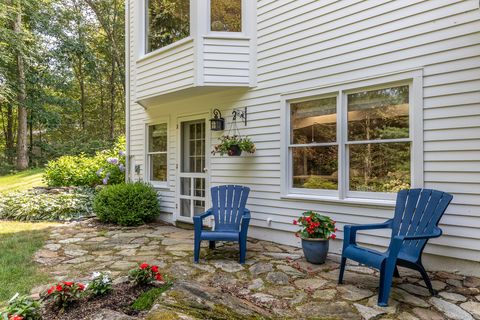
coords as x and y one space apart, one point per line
276 282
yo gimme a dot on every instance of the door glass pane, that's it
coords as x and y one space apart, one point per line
314 121
185 205
378 114
157 138
158 167
185 189
315 167
193 146
226 15
198 207
381 167
167 22
199 187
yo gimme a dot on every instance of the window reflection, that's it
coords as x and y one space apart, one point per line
226 15
168 21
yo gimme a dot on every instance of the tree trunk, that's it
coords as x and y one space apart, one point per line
22 148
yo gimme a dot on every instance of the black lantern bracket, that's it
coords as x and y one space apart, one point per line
241 113
217 123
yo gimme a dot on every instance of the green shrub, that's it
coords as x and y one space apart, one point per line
315 182
36 205
127 204
105 167
22 306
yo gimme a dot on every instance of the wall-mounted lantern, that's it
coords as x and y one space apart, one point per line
217 123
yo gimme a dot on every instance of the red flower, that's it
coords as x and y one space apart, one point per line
81 286
333 236
68 284
155 269
296 234
16 317
59 288
144 266
295 222
158 276
52 289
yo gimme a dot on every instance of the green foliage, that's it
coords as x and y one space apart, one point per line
227 142
22 306
100 285
127 204
146 300
65 293
36 205
315 226
315 182
105 167
145 274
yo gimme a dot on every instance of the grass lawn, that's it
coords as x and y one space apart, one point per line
22 180
18 242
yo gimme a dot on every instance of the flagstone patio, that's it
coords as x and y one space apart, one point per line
276 282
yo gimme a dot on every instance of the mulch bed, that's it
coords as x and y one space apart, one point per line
120 300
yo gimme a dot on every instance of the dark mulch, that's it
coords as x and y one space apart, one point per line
120 300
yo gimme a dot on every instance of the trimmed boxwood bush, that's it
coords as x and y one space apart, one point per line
127 204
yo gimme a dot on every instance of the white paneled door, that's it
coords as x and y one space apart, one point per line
192 168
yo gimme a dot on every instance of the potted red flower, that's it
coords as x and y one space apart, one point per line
316 231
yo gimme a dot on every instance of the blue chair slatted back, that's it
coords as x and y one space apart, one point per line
418 212
228 205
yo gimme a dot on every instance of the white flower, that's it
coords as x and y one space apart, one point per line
105 279
96 275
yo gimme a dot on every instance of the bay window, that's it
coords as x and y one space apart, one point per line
351 144
157 153
167 21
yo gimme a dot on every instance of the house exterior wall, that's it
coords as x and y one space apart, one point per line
310 46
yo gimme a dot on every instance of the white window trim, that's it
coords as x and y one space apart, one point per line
226 34
156 184
414 78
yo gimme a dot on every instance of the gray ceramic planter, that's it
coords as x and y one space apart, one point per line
315 250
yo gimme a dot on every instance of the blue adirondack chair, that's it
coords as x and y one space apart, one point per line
416 218
231 219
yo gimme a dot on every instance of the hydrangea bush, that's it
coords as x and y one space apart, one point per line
105 167
34 205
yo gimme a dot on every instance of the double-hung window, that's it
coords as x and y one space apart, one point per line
349 144
157 162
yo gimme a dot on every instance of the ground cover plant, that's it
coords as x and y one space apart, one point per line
44 204
127 204
18 243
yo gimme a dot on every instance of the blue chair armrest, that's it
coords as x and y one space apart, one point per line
198 220
207 213
245 222
350 231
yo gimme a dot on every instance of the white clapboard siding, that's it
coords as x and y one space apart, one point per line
166 71
226 61
308 44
